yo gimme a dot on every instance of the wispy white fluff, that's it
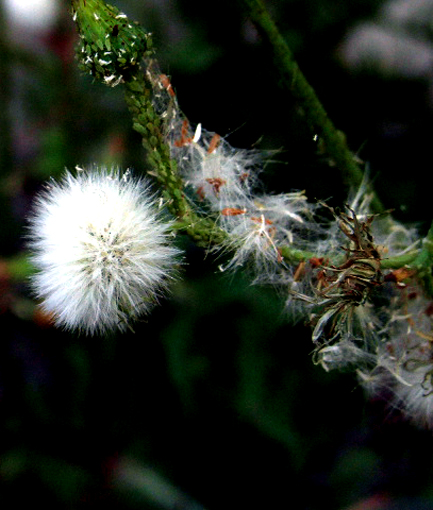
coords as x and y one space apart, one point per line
224 179
101 250
260 226
218 174
404 367
364 318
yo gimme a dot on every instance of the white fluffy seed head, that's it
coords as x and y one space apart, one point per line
101 250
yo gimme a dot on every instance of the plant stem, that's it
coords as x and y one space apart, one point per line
111 50
104 30
146 121
423 261
333 140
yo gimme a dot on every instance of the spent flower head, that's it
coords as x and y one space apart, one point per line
101 250
403 367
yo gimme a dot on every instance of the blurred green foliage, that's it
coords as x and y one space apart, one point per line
215 395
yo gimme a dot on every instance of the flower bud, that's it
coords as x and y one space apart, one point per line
111 46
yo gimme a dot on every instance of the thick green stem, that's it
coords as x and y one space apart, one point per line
111 50
138 94
333 140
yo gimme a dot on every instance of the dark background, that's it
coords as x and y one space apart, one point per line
214 402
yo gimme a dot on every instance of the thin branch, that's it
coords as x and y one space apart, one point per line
334 141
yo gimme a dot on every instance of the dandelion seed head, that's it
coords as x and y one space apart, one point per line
101 250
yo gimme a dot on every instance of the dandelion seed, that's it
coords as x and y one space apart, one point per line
101 249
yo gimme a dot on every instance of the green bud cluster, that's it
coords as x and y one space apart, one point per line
111 50
111 47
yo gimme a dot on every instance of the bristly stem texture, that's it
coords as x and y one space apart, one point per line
112 50
162 167
334 141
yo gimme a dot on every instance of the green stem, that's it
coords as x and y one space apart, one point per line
424 261
107 53
334 141
111 50
138 95
407 259
20 268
